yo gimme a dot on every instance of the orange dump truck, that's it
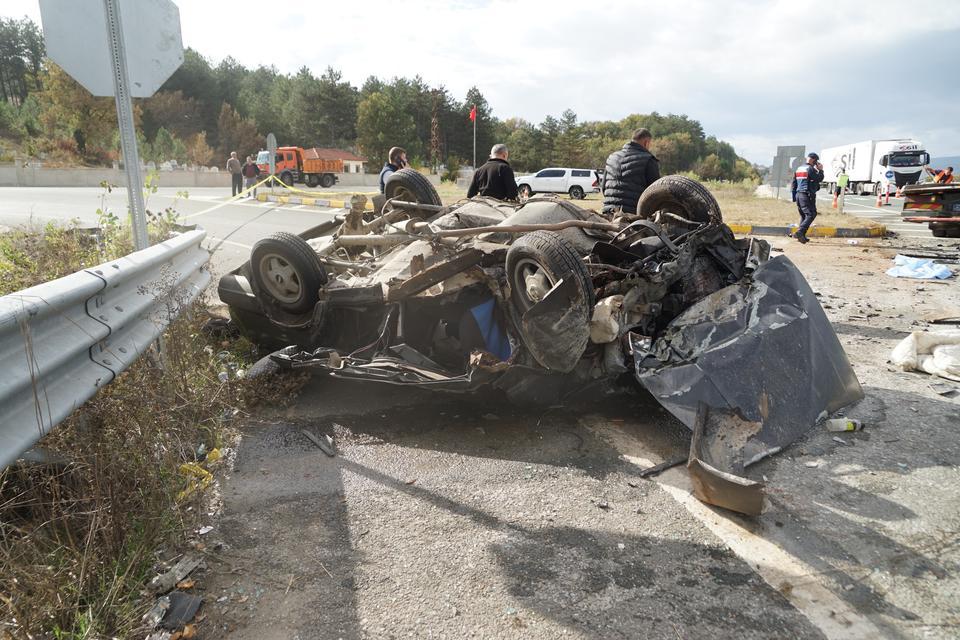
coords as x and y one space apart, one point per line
295 164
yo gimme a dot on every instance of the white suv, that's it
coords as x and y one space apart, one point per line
576 182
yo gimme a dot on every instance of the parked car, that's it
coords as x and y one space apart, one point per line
576 182
543 299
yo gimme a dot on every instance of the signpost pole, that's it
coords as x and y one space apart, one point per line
128 133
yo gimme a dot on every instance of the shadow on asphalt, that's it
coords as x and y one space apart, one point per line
827 522
581 577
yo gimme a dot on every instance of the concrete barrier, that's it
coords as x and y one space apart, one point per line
32 176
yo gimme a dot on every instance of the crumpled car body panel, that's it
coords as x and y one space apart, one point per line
763 351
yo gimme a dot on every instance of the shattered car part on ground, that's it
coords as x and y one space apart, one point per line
543 298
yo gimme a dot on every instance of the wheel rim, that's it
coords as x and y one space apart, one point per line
404 195
280 278
531 282
524 191
576 193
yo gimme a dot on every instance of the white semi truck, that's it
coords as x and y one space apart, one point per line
875 166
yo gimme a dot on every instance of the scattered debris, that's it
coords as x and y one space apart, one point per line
189 631
657 469
813 464
157 612
948 315
840 440
711 484
186 584
935 352
944 389
183 606
324 442
167 581
490 416
843 424
202 531
918 268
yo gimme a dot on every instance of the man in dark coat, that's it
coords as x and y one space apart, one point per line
495 178
629 171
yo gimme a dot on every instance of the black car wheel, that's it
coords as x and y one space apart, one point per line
525 191
576 192
681 196
327 180
286 270
286 178
312 180
537 261
409 185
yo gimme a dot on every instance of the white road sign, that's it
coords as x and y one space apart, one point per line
76 35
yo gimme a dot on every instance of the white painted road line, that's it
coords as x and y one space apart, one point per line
216 240
792 577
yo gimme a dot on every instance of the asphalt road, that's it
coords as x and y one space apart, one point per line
231 229
887 215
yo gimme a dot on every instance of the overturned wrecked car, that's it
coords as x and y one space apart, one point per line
543 298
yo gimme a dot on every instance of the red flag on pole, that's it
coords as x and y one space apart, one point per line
473 114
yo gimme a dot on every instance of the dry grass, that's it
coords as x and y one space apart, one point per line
737 203
79 534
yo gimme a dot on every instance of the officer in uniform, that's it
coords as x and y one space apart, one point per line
806 183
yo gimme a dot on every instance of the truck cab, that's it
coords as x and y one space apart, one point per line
900 163
295 164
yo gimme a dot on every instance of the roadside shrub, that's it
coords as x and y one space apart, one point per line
80 530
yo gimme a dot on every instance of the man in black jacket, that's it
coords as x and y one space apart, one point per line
495 178
629 171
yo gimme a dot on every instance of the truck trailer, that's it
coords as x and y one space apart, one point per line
875 166
295 164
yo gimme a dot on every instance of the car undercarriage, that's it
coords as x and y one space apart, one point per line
543 298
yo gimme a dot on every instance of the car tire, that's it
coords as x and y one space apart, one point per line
938 231
682 196
312 180
327 180
555 258
286 271
286 178
576 192
410 185
524 191
262 368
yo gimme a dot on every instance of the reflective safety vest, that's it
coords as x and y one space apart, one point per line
943 178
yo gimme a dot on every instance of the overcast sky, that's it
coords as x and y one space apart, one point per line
756 74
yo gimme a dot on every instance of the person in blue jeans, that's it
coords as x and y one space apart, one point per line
806 183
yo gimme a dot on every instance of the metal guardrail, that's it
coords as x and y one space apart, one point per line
62 341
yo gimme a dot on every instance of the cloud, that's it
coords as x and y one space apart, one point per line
755 73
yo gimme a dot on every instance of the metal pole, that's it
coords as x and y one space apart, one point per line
128 132
474 137
779 172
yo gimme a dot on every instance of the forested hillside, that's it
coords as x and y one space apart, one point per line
206 110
